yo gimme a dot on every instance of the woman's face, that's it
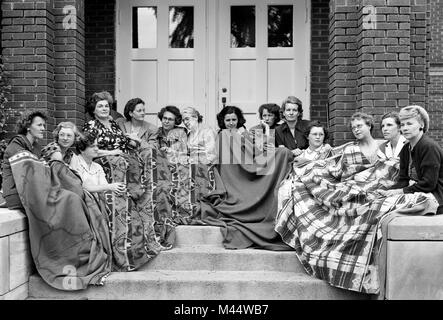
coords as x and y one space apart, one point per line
37 128
291 112
411 128
138 113
190 121
360 129
316 137
231 121
102 109
168 120
390 129
66 138
268 117
91 152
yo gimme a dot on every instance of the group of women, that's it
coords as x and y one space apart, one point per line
129 183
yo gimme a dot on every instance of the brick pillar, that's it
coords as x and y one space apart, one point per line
342 67
27 41
69 45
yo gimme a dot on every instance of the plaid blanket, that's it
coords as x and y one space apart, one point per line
332 215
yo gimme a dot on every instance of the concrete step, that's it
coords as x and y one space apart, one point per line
191 236
200 285
214 258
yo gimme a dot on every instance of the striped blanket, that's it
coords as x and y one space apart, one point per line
332 218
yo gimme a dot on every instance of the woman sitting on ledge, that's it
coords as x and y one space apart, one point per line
65 135
390 127
31 128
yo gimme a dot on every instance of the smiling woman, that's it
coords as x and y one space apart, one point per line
31 128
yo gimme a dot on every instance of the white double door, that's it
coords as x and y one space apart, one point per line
207 53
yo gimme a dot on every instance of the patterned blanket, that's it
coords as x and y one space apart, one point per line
332 219
68 234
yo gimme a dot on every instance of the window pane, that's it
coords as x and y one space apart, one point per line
242 26
181 27
280 26
144 27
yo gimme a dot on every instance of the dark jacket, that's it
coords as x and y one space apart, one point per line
427 158
283 135
17 144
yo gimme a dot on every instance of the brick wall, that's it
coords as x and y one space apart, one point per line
319 60
100 46
44 58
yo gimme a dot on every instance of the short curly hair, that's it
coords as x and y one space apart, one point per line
271 108
228 110
26 119
96 97
367 118
65 124
317 124
193 112
130 107
393 115
85 140
417 112
172 109
293 100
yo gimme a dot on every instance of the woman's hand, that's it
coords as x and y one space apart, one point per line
297 152
133 136
117 187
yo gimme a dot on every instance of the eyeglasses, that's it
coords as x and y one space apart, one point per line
168 119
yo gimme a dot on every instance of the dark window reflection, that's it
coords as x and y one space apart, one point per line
181 27
242 26
144 27
280 26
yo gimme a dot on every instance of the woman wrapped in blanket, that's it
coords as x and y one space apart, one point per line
134 125
122 162
390 127
31 128
421 158
201 138
65 135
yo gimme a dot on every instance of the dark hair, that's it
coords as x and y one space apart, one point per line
272 108
368 119
227 110
96 97
172 109
393 115
317 124
26 119
130 107
293 100
84 141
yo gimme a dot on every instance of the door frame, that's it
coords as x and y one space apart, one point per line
213 91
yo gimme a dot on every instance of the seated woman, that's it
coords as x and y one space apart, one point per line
122 162
334 217
201 139
390 127
244 201
91 173
31 128
65 135
171 138
269 114
68 234
291 134
134 125
421 158
111 139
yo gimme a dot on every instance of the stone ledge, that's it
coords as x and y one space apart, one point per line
12 221
419 228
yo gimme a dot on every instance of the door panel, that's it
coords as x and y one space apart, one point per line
161 54
263 54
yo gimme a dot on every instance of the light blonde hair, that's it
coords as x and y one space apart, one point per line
65 124
417 112
193 113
